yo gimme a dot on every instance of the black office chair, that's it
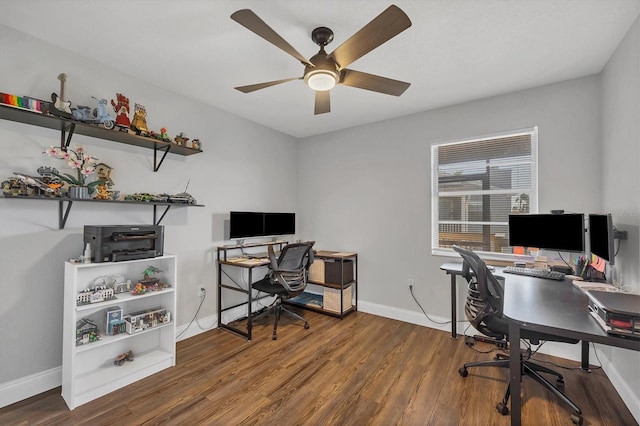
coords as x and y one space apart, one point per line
287 278
483 309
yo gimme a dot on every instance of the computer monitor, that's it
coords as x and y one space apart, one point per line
245 224
564 232
279 223
601 236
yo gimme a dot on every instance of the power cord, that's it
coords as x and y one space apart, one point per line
203 295
595 367
423 311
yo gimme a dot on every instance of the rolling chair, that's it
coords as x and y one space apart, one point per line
287 278
483 309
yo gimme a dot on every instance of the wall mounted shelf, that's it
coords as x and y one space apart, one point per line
69 127
63 211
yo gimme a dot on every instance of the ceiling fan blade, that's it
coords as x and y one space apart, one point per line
382 28
375 83
254 87
252 22
323 102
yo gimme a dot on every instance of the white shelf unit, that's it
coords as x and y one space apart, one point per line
88 371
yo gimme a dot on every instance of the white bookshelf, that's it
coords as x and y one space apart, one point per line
88 371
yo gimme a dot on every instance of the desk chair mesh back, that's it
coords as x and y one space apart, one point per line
287 278
483 309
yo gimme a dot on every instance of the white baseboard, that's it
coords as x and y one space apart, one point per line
199 326
26 387
411 317
622 386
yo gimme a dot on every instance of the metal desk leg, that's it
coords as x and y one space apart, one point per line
219 295
515 372
454 305
585 356
250 305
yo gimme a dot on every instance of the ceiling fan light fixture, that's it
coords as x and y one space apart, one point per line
320 80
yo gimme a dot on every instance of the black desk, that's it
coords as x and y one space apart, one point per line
548 306
556 307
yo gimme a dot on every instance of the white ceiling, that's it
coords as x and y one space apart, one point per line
455 51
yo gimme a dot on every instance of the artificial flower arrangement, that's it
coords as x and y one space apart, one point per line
78 159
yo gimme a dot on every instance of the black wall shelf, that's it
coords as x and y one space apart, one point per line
69 127
63 211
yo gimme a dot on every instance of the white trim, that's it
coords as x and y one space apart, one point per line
28 386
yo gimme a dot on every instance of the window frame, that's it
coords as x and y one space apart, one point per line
436 250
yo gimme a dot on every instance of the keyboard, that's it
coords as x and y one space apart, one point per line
534 272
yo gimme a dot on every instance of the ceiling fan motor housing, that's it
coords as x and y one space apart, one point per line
324 66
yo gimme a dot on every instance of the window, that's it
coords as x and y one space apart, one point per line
476 184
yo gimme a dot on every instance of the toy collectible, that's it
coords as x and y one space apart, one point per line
98 115
120 359
121 109
139 122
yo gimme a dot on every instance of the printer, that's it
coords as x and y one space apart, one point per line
114 243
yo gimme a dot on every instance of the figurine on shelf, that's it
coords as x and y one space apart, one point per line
195 144
102 192
121 109
181 139
103 172
139 122
59 107
149 272
98 115
120 359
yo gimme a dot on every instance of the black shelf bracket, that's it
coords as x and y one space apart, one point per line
155 207
156 165
62 216
65 141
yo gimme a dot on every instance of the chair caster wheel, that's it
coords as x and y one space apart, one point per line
560 383
306 325
502 408
463 372
576 419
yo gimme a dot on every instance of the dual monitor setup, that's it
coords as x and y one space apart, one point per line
564 232
257 224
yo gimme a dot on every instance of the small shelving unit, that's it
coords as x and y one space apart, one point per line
340 295
88 371
65 203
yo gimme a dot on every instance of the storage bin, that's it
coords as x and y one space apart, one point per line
334 273
316 271
331 299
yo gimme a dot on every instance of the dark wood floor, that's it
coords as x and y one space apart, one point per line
363 370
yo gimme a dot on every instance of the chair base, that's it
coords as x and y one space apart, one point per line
277 309
532 370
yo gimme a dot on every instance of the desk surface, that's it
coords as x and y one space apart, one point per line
556 307
550 306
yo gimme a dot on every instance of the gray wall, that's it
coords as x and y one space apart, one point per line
620 152
370 189
234 173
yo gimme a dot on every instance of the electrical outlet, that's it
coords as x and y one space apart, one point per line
201 291
411 283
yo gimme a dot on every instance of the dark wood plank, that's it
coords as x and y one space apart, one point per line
360 370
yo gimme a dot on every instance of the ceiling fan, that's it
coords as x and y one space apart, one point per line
323 71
